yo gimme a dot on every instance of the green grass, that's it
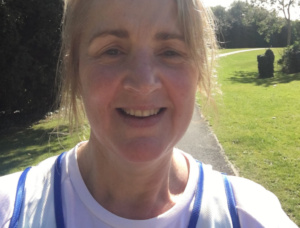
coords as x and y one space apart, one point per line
259 126
33 145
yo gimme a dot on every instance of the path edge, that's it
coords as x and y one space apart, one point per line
222 151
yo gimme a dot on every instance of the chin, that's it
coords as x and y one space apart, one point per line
144 151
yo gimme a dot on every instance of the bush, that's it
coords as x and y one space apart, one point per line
29 47
266 64
290 60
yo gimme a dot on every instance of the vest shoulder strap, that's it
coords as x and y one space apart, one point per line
231 202
20 195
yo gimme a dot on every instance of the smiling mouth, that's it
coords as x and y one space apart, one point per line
140 113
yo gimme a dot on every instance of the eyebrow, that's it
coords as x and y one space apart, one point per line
120 33
168 36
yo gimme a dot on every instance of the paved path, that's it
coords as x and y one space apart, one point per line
202 144
235 52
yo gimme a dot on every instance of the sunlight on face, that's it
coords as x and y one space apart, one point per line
137 78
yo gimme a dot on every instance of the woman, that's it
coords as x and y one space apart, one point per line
136 65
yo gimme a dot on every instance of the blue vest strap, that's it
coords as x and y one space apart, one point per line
231 203
59 217
19 199
198 199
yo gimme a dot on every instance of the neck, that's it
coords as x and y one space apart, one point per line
131 190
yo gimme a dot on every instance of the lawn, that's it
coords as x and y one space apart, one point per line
258 125
32 145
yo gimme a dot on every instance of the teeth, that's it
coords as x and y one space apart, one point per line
138 113
131 112
141 113
146 113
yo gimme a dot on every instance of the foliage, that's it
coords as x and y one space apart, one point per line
266 64
296 30
232 32
290 60
258 126
223 22
280 5
29 45
244 25
267 23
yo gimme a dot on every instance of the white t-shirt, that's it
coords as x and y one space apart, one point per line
256 206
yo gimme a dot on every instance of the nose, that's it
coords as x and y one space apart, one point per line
142 75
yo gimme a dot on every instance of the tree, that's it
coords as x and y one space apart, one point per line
223 22
29 46
239 33
244 25
242 34
235 30
296 30
279 5
267 22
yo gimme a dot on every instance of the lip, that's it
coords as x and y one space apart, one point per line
141 122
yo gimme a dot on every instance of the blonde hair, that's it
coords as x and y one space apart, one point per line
199 33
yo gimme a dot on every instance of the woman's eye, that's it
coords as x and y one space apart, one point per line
109 55
172 57
112 52
171 54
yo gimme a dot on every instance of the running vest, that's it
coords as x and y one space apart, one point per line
58 210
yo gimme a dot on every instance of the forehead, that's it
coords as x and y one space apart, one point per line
137 17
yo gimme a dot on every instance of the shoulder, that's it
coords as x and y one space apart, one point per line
8 188
258 206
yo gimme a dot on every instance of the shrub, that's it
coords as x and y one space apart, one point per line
29 47
266 64
290 60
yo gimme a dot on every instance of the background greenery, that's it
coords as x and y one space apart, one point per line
29 47
244 25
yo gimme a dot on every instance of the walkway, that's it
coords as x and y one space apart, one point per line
235 52
202 144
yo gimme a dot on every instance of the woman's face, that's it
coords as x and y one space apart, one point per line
138 81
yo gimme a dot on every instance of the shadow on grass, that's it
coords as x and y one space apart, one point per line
23 148
15 122
252 78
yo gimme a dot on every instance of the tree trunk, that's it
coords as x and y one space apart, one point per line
289 36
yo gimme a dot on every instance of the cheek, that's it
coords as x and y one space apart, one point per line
182 84
182 87
99 84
